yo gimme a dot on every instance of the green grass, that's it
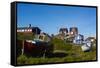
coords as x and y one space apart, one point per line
71 51
61 45
27 36
73 55
40 60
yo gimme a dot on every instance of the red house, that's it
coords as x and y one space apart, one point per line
29 29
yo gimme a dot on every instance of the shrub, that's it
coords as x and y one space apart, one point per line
61 44
22 59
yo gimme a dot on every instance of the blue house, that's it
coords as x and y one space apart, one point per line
78 39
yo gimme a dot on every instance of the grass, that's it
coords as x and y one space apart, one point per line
63 52
23 36
61 45
34 60
71 56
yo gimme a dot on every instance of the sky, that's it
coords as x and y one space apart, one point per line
50 18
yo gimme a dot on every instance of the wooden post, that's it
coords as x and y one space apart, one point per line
22 47
44 53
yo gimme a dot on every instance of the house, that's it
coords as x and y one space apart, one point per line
73 31
78 39
92 39
29 29
44 37
63 31
64 34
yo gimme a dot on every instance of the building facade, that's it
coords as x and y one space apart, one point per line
63 31
29 29
78 39
73 30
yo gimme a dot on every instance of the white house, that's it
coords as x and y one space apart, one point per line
78 39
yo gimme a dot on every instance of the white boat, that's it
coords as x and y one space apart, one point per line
86 46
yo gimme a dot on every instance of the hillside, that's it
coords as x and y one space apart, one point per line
62 52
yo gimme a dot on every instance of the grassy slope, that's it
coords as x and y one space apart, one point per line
71 56
72 53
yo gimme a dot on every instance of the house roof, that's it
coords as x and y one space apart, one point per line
28 28
63 29
89 38
73 28
79 36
